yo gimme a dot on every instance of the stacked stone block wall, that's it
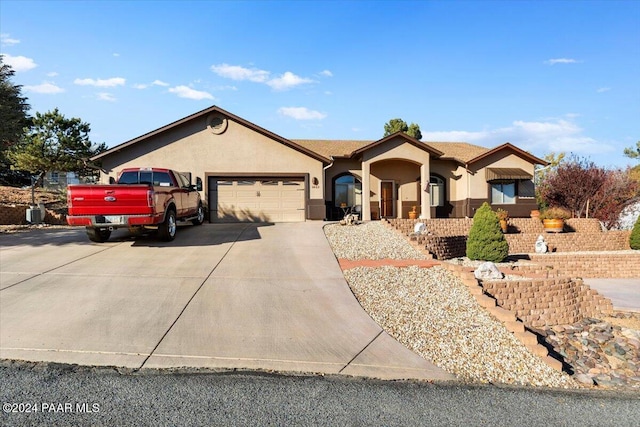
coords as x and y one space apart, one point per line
447 237
446 247
524 243
546 302
613 266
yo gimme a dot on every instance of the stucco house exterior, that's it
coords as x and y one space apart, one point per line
248 173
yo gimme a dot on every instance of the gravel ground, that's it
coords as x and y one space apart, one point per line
369 240
431 312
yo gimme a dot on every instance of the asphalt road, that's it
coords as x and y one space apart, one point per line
69 395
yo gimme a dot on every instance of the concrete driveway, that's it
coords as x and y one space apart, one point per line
623 293
247 296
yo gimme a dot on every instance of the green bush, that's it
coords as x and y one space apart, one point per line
634 239
486 241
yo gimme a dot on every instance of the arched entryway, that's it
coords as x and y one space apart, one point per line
393 193
346 195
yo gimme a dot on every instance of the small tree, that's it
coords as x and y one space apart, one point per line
13 119
633 153
486 241
572 185
399 125
55 143
618 191
634 239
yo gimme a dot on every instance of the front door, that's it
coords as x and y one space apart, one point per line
386 199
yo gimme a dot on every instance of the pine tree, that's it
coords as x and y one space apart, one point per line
486 241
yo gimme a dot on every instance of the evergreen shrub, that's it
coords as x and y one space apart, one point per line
486 241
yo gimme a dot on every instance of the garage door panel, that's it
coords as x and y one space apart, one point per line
246 199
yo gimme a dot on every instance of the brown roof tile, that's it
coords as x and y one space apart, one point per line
460 151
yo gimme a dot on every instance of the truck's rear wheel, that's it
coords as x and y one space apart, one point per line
99 235
200 218
167 230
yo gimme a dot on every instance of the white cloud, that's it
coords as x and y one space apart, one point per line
561 61
19 63
153 83
287 81
44 88
603 89
116 54
52 74
112 82
6 40
225 87
326 73
237 72
539 137
301 113
104 96
187 92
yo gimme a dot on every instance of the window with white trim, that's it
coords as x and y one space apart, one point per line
436 191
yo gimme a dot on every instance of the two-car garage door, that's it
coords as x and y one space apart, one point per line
271 199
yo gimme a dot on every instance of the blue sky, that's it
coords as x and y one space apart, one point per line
548 76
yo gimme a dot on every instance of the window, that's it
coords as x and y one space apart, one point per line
436 191
526 189
503 193
347 191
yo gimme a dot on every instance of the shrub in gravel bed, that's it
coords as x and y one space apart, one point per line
486 241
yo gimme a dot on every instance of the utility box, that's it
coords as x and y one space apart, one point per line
34 215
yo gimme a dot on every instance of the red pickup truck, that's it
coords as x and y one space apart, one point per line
142 198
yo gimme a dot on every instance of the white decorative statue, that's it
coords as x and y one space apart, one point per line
541 245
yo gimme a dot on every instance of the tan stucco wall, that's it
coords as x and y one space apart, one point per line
455 177
194 148
479 186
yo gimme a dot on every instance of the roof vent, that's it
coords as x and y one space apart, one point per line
217 124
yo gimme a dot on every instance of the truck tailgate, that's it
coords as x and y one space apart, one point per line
109 199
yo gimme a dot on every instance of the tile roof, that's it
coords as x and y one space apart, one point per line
335 148
460 151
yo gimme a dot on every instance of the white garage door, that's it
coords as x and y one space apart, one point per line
248 199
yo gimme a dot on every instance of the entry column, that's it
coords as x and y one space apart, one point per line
366 192
425 199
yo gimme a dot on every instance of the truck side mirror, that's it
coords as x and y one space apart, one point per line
199 184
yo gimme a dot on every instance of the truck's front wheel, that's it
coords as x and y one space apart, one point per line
99 235
167 230
200 216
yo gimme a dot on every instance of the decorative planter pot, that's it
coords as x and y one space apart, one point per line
504 226
535 214
553 225
413 214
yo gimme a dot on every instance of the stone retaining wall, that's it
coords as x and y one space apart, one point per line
546 302
524 243
447 237
17 215
612 266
